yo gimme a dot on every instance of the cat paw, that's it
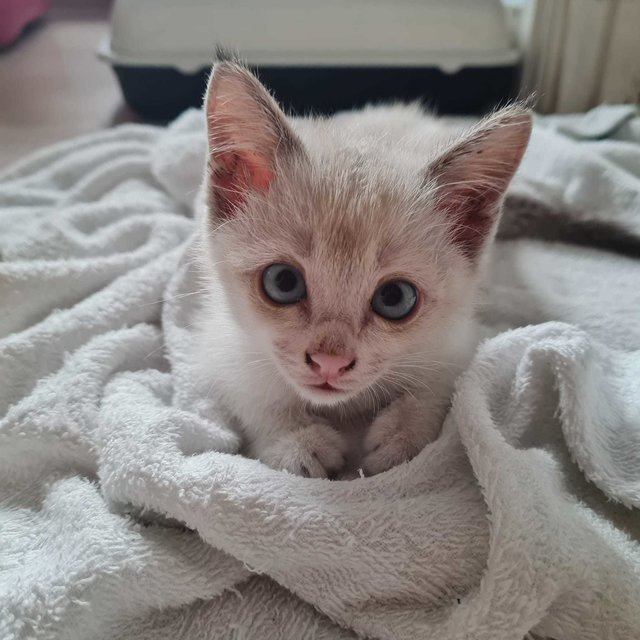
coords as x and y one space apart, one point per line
315 451
396 435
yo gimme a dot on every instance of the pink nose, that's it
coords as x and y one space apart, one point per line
330 366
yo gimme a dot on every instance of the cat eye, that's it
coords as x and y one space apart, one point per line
395 300
283 284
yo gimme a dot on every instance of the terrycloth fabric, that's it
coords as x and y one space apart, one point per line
125 513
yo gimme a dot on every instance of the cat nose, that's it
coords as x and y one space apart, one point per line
328 365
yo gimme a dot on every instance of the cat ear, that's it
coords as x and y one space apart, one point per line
471 178
247 132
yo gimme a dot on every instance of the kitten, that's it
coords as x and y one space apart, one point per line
342 257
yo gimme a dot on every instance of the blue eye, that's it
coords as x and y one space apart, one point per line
283 284
395 300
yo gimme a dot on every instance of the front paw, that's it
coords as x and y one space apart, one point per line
315 451
398 434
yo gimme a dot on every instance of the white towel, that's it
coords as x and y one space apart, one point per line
126 513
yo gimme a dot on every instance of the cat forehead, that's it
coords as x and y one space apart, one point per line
377 139
346 183
355 250
340 216
352 222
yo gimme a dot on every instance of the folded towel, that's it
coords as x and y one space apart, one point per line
126 512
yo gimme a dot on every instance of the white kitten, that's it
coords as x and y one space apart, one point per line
342 257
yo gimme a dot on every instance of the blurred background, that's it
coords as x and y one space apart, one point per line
69 67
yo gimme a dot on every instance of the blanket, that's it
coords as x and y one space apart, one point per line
126 511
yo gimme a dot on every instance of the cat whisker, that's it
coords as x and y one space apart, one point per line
171 298
375 397
402 380
434 369
257 361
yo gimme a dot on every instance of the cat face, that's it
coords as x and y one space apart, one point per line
348 261
308 278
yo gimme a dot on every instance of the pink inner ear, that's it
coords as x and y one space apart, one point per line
473 212
472 178
261 174
236 174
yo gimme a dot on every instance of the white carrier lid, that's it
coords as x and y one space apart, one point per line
183 34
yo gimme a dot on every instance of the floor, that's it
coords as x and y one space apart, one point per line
53 84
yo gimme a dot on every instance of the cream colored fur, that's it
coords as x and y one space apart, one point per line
352 201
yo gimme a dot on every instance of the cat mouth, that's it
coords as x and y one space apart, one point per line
324 393
326 387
